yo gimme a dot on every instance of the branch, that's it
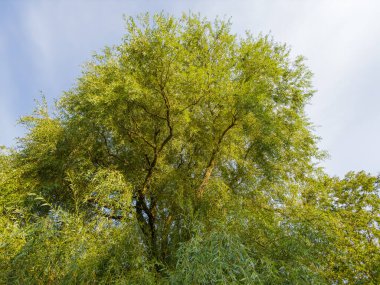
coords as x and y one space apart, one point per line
108 149
149 112
140 136
168 120
211 163
192 104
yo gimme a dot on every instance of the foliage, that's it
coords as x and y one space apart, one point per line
183 156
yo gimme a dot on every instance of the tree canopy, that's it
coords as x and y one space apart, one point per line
183 156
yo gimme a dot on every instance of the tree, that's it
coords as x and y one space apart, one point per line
184 156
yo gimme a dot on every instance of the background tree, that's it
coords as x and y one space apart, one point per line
184 156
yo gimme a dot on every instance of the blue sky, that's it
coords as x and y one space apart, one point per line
44 43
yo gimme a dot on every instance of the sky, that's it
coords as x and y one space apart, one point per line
43 45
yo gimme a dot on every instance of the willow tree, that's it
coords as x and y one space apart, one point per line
188 113
185 146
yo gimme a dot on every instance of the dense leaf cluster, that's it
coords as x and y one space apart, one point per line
183 156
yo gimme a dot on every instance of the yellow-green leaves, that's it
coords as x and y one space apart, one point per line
184 156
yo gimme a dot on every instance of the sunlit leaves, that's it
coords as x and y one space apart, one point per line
183 156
